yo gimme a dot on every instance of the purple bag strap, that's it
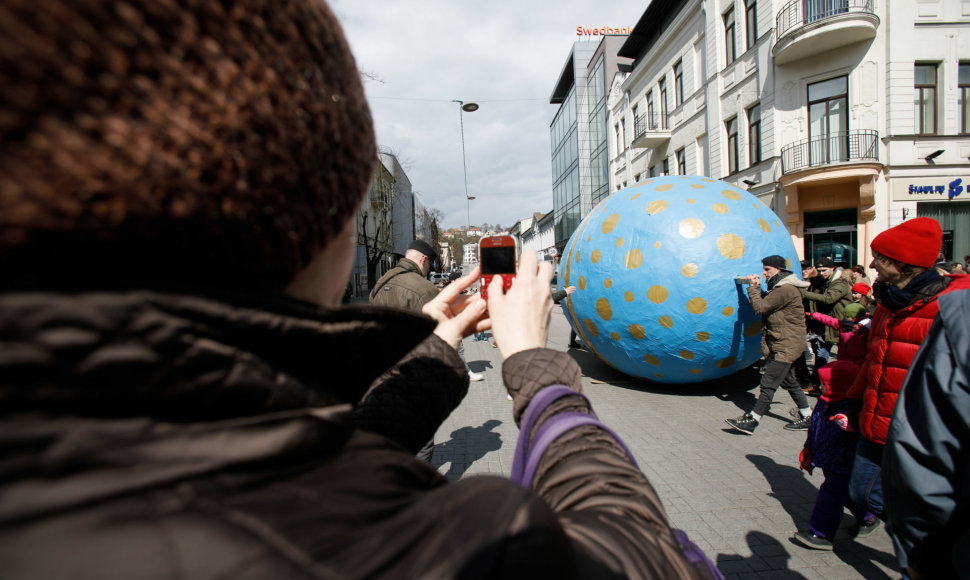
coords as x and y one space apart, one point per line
537 405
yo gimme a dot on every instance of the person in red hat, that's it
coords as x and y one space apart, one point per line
906 290
862 293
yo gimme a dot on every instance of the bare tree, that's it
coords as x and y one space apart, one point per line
374 222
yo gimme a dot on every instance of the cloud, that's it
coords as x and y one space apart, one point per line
504 55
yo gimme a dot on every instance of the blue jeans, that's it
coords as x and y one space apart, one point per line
865 483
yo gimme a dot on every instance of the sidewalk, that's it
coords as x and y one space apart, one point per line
739 497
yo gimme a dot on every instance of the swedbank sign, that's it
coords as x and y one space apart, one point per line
603 31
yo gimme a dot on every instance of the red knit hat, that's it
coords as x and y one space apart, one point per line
916 242
861 288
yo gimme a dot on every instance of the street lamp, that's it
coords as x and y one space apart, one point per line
465 108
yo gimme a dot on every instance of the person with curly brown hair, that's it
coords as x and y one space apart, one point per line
181 393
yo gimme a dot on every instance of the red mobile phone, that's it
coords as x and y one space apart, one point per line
498 256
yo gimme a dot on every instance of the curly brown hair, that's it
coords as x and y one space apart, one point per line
190 140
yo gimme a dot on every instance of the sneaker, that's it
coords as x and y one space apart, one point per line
475 377
864 528
794 414
812 541
799 424
745 424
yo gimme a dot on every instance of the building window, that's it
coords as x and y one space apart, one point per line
651 118
964 86
663 100
619 140
681 161
925 99
637 123
754 134
678 83
732 144
751 21
623 133
666 166
729 42
636 178
653 171
828 121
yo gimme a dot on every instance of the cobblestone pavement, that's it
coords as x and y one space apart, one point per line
739 497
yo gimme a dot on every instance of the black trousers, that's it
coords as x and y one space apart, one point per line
775 373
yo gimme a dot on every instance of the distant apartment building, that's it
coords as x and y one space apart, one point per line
580 157
844 116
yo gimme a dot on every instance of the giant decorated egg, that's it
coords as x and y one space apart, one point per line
655 267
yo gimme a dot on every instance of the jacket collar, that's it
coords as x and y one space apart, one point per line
786 278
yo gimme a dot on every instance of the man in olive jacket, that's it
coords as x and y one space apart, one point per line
783 342
406 285
834 297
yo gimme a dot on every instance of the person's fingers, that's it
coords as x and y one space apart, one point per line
545 274
527 264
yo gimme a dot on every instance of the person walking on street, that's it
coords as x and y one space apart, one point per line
832 300
406 285
782 343
907 289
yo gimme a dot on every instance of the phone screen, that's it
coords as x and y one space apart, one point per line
500 260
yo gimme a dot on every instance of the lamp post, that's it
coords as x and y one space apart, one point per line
463 108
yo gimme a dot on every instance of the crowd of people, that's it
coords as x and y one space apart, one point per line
184 391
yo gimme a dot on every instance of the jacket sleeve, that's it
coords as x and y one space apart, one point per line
832 294
826 319
606 505
926 467
558 295
409 402
764 305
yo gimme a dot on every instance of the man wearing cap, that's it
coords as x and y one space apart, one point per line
832 300
906 288
406 285
782 343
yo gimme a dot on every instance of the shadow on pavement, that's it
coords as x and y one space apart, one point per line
766 553
466 446
731 386
480 366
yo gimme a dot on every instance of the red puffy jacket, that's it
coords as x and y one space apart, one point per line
894 339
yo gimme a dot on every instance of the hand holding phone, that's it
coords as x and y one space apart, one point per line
498 256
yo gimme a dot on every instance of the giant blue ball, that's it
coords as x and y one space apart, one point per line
655 267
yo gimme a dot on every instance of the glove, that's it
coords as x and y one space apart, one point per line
805 460
843 422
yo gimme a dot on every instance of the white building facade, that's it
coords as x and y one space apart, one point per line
826 110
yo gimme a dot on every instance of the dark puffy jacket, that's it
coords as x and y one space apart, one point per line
894 338
403 286
783 318
832 301
926 464
148 435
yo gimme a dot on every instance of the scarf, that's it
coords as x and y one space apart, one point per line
895 298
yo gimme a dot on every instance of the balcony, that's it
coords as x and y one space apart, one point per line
860 146
650 131
806 28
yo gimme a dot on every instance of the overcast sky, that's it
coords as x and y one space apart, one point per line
505 55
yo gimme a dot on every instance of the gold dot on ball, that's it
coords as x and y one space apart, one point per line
728 311
720 208
591 327
726 362
595 256
582 282
777 225
703 336
635 197
696 305
577 256
764 225
691 200
664 187
589 239
695 371
619 242
689 270
628 296
756 206
731 194
658 375
697 186
788 264
657 294
666 321
651 360
753 329
634 259
691 228
708 180
731 246
614 336
610 223
604 309
655 207
637 331
608 282
657 244
687 355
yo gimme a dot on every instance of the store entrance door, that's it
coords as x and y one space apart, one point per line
832 234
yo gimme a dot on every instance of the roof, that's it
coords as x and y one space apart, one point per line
656 18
